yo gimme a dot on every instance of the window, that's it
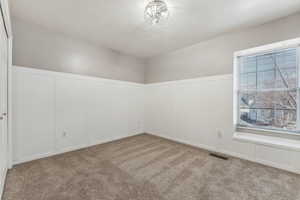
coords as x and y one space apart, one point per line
267 90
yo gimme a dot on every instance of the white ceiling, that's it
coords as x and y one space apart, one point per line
119 24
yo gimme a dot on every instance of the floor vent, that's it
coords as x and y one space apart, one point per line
219 156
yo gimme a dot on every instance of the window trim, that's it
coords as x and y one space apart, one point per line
293 43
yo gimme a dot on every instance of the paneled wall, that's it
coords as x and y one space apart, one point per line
57 112
200 112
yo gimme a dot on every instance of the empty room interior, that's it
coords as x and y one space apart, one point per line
150 100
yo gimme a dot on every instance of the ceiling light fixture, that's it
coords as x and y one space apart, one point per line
156 11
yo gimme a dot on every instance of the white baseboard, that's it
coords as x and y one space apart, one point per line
202 146
2 182
74 148
233 154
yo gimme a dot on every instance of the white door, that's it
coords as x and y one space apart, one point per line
3 96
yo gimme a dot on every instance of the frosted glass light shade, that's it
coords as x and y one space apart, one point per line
156 11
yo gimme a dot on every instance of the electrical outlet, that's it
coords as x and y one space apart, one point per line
220 133
64 134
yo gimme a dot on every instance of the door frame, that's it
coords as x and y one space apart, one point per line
7 23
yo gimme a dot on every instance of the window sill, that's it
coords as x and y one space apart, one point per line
277 142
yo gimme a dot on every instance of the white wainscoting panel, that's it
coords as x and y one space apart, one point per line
71 113
33 114
57 112
199 112
101 119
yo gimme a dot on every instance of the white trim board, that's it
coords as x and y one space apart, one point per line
193 80
9 99
276 142
232 154
2 182
269 47
7 20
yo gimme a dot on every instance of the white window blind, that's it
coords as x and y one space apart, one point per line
268 90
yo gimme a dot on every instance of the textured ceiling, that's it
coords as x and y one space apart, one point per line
119 24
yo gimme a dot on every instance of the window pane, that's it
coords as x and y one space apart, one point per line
286 59
286 62
266 79
248 81
285 119
247 64
265 62
266 118
287 78
273 70
268 90
269 99
273 109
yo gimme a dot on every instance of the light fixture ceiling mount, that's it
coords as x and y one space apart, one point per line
156 11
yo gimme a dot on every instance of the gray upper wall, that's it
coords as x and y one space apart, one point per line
36 47
215 56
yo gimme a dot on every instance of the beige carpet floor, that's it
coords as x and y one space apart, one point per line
146 167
